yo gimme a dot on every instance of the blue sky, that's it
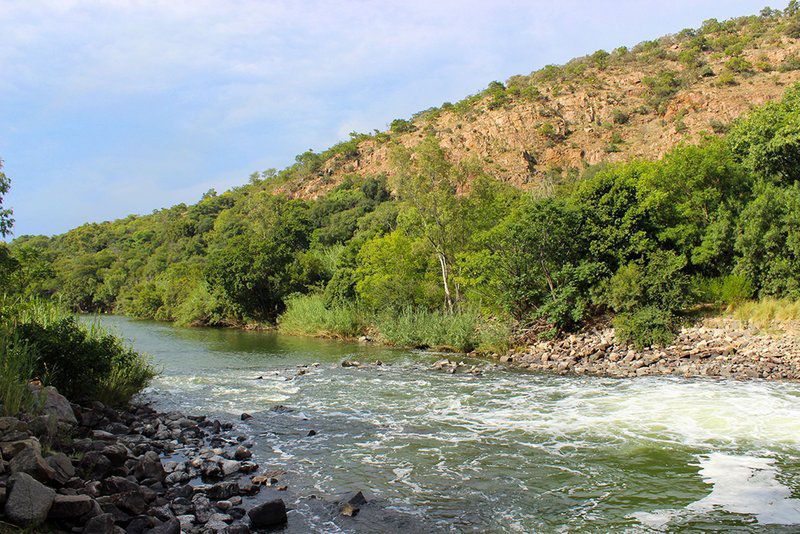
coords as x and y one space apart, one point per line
112 107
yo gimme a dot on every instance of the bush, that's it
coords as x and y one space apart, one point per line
402 126
727 290
658 282
620 116
82 362
648 326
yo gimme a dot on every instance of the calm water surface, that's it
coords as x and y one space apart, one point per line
504 452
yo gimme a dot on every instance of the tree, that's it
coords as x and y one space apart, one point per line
6 222
429 183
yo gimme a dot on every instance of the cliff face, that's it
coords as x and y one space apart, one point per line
602 108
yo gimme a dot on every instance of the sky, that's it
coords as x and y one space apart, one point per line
113 107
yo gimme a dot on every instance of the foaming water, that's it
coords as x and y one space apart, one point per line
507 451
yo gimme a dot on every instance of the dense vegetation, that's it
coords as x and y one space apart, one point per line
42 341
443 255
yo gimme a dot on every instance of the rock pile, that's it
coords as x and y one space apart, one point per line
724 350
99 470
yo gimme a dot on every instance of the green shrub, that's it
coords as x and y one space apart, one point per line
81 361
620 116
660 281
729 290
402 126
648 326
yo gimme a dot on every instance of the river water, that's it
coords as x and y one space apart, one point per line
508 451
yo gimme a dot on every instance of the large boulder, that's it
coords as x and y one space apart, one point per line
29 500
149 466
54 404
268 514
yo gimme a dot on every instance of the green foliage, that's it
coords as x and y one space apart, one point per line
620 116
400 126
661 87
659 281
5 213
768 140
645 327
82 362
729 290
768 242
17 364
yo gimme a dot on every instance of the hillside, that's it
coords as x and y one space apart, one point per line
606 107
426 236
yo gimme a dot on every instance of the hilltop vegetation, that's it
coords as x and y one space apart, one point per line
440 249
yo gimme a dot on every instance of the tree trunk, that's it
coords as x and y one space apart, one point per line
448 299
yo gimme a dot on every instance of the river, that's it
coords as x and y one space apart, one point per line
507 451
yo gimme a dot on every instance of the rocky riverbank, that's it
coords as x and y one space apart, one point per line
96 469
725 349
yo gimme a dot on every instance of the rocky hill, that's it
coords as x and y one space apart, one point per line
532 131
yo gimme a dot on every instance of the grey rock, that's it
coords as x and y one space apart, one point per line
12 429
237 528
62 467
223 490
12 448
242 453
268 514
55 404
29 500
229 467
172 526
100 524
30 461
70 506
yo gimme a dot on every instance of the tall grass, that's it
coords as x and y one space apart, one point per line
307 315
83 361
462 331
17 364
459 332
768 313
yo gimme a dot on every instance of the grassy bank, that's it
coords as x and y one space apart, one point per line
41 341
461 331
768 313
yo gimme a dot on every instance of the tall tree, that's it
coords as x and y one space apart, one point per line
428 183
